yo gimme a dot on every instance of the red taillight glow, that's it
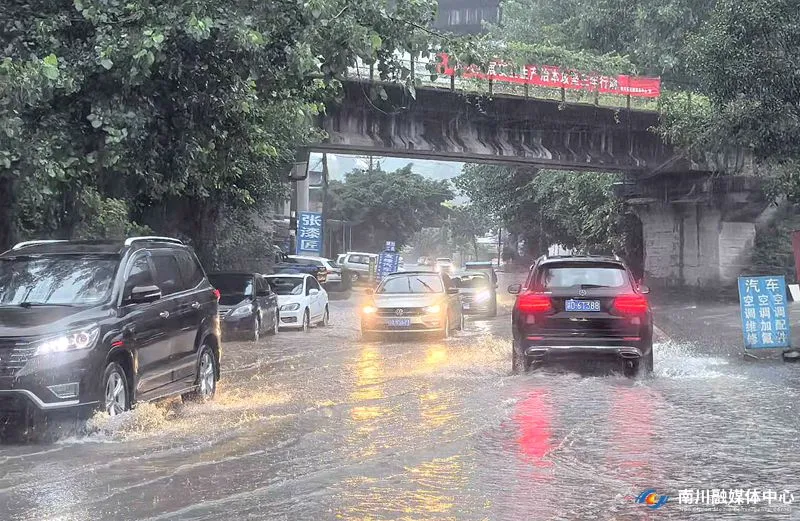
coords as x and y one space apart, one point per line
631 304
216 294
534 303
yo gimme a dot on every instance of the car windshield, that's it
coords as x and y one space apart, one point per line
333 264
57 280
233 288
472 280
286 285
585 276
418 283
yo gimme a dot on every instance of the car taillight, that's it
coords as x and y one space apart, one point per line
216 294
631 304
534 303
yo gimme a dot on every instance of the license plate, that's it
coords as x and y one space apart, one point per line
399 322
582 305
466 305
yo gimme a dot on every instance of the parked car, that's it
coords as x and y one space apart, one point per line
286 264
412 302
303 302
321 264
104 325
478 293
581 307
357 264
247 306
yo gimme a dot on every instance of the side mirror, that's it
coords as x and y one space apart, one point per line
452 291
644 290
145 294
515 289
313 291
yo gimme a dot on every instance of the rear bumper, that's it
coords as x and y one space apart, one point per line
541 352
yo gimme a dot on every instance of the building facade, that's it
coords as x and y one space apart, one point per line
466 16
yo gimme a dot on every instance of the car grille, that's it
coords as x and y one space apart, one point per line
400 312
466 297
14 354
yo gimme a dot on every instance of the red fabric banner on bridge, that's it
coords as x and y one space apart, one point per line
556 77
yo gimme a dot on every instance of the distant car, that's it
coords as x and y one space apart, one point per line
104 325
285 264
320 263
357 265
247 305
303 302
580 307
334 271
478 293
412 302
423 261
444 265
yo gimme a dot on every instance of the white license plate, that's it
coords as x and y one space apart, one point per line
399 322
582 305
466 305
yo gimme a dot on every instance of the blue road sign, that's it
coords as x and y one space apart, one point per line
391 246
765 322
309 233
387 263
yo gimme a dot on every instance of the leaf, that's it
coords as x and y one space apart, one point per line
376 41
159 38
316 12
50 73
106 63
97 123
51 60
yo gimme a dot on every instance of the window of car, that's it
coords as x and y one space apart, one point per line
580 274
191 272
286 285
168 274
262 288
311 283
416 283
359 259
139 274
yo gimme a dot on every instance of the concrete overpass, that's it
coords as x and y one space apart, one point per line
697 230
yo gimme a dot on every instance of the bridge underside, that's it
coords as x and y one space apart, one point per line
451 126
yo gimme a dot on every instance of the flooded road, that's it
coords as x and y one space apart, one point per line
325 426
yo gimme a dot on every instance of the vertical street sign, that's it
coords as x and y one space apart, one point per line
309 233
388 262
763 306
391 246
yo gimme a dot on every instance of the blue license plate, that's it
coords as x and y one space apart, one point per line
582 305
399 322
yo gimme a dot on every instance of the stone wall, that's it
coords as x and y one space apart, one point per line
735 248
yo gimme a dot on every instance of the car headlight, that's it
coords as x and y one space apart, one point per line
85 338
483 296
369 310
290 307
436 308
242 311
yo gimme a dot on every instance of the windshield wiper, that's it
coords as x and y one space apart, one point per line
423 283
28 305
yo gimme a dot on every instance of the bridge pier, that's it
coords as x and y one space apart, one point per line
694 244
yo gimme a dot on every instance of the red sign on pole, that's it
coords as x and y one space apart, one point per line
556 77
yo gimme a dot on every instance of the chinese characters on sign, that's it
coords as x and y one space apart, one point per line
390 246
555 77
735 497
763 305
387 263
309 233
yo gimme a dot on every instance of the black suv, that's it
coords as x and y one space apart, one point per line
582 307
105 324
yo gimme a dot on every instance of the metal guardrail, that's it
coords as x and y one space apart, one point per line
422 76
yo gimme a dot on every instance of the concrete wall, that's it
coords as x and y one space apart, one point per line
691 245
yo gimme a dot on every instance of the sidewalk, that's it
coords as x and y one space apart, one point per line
717 327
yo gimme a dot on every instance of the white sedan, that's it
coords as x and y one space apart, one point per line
301 300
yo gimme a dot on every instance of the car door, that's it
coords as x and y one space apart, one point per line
146 326
194 304
267 302
180 312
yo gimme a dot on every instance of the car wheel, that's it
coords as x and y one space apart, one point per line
326 317
255 335
275 325
206 382
519 362
306 321
116 399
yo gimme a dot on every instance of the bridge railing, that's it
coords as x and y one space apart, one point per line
421 75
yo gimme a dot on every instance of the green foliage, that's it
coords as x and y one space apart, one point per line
387 205
105 218
575 209
464 225
772 250
183 106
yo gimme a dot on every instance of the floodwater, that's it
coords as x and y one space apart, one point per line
325 426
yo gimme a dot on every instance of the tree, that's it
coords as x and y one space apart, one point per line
172 109
466 223
387 205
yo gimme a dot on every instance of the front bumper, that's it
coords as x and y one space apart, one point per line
236 326
52 382
292 319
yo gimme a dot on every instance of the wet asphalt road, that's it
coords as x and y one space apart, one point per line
325 426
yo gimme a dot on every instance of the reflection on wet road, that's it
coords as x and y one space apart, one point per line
325 426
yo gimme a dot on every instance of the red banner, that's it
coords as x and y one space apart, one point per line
556 77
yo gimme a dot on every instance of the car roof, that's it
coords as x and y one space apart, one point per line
306 257
360 253
288 275
88 247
